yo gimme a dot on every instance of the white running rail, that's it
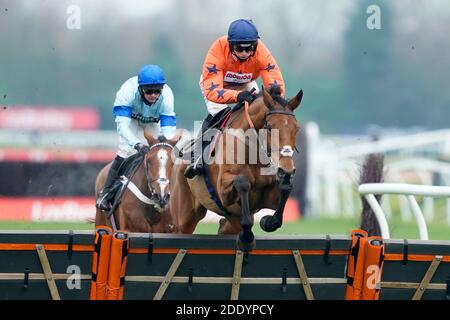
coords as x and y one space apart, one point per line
369 190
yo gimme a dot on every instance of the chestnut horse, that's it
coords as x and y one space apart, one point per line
241 189
143 204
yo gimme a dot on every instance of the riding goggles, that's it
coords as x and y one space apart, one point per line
247 47
151 91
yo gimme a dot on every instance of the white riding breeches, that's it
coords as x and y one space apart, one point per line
137 128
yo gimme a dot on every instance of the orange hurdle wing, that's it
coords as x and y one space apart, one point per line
117 266
100 262
373 268
355 265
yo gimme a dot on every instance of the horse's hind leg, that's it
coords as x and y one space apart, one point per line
100 216
232 226
246 239
190 223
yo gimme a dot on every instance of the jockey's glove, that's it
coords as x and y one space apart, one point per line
245 96
141 148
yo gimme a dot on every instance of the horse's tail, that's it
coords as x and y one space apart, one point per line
89 220
372 172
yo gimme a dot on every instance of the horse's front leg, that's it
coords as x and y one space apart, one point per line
246 239
272 223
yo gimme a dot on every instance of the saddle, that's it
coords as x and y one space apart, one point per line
211 122
126 169
219 119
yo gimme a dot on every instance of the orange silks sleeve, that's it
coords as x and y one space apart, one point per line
213 73
269 69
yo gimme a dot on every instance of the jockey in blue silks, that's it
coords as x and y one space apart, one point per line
143 102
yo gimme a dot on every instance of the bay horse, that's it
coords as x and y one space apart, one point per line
238 190
143 204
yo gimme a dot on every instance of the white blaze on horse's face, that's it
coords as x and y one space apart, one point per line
163 181
282 143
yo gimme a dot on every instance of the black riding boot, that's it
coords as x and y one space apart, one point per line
196 166
103 199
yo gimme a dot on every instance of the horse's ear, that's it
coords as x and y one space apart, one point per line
150 138
268 101
177 137
295 101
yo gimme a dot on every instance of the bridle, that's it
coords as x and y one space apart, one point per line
154 200
155 196
284 151
268 127
284 179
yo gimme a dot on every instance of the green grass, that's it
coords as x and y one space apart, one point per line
342 226
304 226
26 225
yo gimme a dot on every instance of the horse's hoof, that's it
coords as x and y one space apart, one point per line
245 246
268 225
221 224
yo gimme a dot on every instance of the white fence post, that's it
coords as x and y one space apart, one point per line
410 190
448 211
312 177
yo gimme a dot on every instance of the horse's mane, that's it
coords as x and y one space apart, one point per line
162 139
275 93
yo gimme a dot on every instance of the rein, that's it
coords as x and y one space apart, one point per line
247 115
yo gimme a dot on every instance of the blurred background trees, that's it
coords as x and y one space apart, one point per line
352 76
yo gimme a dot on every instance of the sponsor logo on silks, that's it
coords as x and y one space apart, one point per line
237 77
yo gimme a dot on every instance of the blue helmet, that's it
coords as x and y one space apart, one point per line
151 74
242 31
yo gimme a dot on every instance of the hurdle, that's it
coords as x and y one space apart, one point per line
59 265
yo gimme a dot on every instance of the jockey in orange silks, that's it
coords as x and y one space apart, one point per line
229 74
